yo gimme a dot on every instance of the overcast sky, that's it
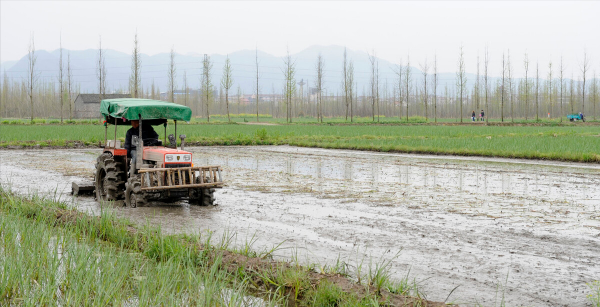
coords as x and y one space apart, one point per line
544 29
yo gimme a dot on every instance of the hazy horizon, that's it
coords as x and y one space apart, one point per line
392 30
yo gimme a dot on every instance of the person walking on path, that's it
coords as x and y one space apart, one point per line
473 116
482 115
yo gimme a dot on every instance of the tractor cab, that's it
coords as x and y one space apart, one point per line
156 170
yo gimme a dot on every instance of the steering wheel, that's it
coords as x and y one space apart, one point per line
151 142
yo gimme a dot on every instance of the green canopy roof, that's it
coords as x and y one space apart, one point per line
131 108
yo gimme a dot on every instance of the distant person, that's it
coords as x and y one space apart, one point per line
473 116
482 115
581 116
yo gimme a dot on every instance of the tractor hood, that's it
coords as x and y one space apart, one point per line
167 155
126 109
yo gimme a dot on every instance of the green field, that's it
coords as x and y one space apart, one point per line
51 254
579 143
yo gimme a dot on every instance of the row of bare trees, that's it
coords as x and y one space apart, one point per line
403 97
46 101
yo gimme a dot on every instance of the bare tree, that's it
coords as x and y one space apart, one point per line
185 88
485 77
350 77
399 72
319 86
172 75
537 91
273 111
477 89
377 89
135 80
373 82
153 90
61 79
571 93
510 87
446 93
345 84
502 88
239 98
562 83
425 71
461 80
227 83
435 81
4 96
550 85
32 75
257 85
526 66
585 66
407 81
101 72
207 86
290 82
595 92
69 84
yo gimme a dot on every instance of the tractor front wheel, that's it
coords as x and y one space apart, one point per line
208 197
134 196
202 196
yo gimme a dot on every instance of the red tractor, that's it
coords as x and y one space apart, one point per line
155 170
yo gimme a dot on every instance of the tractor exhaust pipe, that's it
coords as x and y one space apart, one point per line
182 137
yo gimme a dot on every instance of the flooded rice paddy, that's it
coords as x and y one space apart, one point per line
528 231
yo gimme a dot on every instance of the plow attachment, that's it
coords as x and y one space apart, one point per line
155 179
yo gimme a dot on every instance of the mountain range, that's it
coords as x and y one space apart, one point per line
271 77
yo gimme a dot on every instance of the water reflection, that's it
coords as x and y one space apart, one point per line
470 179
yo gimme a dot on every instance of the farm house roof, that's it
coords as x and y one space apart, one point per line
131 108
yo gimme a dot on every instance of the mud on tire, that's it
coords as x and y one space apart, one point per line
109 178
134 196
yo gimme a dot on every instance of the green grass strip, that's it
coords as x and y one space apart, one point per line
149 264
562 143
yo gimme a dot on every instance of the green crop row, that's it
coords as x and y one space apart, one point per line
567 143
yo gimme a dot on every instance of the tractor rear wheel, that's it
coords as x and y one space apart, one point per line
134 196
109 179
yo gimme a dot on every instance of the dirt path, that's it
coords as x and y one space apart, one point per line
523 229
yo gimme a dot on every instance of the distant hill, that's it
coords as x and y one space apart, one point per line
6 65
154 69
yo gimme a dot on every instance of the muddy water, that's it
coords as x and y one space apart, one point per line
525 230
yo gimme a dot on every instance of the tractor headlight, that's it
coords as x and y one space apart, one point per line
178 158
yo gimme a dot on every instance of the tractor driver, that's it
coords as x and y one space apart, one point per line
148 135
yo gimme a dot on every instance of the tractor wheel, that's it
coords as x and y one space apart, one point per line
195 197
202 196
109 178
134 196
208 197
